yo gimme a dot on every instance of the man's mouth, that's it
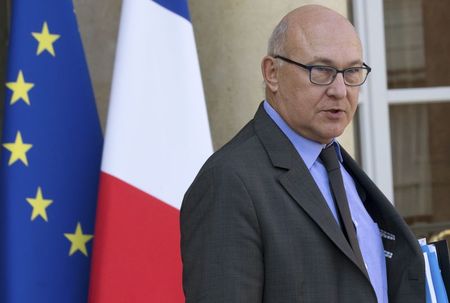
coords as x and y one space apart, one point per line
334 113
334 110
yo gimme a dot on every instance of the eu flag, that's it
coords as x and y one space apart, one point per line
50 158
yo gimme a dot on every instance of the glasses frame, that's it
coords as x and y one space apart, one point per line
342 71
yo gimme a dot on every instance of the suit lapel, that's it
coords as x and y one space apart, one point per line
302 188
377 205
297 180
387 236
400 245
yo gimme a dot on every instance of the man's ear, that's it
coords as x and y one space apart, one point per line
269 68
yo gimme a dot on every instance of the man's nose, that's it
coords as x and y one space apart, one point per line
337 88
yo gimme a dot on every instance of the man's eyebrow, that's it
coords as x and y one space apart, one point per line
330 62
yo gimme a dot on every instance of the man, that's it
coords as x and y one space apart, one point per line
266 221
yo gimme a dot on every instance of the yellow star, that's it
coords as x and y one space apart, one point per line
39 205
18 150
45 40
20 89
78 240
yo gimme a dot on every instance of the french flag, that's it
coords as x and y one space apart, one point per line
157 138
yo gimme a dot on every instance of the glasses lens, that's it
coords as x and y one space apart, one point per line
355 76
322 74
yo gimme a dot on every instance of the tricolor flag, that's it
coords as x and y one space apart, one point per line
157 138
50 158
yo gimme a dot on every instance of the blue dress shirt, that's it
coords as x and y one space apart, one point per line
367 231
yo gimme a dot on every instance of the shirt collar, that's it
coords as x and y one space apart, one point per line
308 150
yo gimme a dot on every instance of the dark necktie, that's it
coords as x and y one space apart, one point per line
331 163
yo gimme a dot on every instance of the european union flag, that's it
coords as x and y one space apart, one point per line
50 159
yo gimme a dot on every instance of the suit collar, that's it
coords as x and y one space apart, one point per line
300 185
275 145
297 180
308 150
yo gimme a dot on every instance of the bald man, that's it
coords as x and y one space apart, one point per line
264 222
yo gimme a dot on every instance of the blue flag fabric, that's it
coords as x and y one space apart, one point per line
179 7
50 158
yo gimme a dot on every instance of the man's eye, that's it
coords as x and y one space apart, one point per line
323 69
353 70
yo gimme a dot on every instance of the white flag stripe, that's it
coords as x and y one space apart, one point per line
157 134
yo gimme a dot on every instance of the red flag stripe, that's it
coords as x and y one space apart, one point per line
136 247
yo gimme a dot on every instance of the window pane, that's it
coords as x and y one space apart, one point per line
420 135
417 42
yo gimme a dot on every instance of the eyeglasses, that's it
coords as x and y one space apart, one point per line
325 75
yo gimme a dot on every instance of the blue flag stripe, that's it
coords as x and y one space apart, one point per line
179 7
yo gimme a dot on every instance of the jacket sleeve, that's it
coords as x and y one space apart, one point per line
221 242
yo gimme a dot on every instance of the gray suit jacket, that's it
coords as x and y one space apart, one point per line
256 228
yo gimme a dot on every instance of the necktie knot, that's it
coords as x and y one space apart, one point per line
329 158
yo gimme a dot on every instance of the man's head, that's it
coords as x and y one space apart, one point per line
312 35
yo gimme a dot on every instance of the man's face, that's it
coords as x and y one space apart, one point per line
319 113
